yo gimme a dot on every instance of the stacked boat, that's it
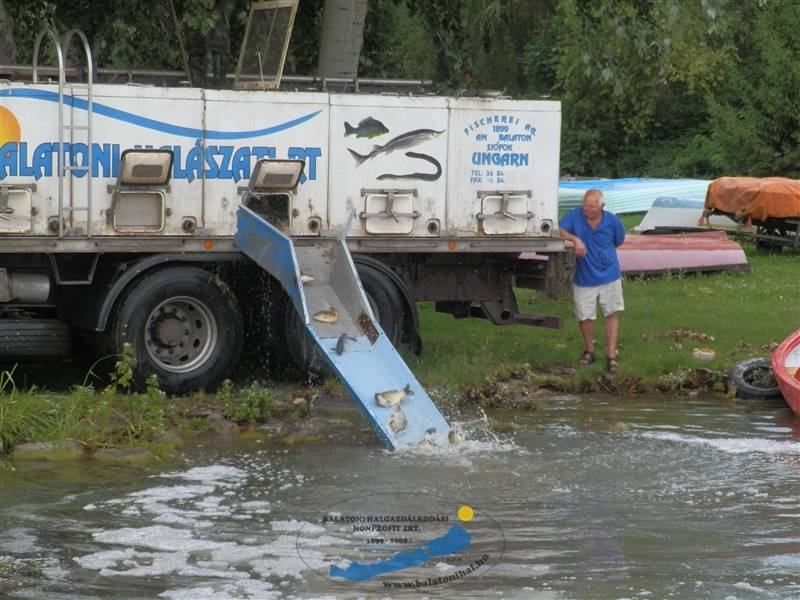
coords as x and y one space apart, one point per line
631 194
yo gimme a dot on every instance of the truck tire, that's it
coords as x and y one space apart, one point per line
22 339
184 325
384 300
753 379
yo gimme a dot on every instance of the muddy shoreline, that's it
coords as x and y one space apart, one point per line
311 415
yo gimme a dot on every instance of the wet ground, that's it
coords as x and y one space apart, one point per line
593 497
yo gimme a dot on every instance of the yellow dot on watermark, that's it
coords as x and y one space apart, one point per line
465 513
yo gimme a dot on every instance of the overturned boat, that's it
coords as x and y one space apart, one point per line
686 252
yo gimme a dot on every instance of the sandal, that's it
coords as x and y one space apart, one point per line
612 364
587 358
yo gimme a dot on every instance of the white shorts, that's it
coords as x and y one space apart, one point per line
586 298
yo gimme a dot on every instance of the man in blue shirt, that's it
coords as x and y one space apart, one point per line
596 235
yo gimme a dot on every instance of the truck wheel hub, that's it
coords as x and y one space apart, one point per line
181 334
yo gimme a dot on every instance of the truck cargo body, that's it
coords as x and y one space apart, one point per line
446 192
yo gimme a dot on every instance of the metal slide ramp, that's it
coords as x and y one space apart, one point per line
336 312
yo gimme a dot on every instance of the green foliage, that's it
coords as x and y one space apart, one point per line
200 15
396 44
625 83
667 88
445 26
97 420
122 376
755 113
303 54
250 406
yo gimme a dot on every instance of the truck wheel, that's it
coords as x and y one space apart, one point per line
185 327
301 346
754 379
384 300
33 338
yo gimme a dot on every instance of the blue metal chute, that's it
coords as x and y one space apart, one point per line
337 315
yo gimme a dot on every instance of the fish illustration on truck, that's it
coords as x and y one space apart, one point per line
366 128
409 139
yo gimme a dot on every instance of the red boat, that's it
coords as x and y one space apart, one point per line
786 370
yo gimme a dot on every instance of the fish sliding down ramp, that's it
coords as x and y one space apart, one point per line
353 343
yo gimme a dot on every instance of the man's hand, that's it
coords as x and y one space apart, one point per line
580 249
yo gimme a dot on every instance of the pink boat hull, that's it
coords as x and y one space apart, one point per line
681 252
706 251
786 369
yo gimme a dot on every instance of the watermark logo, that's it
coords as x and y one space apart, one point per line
404 541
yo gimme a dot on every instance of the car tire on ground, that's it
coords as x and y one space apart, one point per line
754 379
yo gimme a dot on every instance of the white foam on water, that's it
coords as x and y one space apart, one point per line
246 589
477 439
157 537
19 541
743 585
257 506
294 525
174 542
216 474
467 448
774 429
48 566
730 445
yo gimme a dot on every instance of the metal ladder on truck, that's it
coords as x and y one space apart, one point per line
67 171
320 278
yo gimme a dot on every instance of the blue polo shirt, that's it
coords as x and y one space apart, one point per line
600 265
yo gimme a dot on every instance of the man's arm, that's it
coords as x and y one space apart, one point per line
580 249
619 233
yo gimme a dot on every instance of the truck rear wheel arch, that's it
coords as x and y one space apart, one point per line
98 318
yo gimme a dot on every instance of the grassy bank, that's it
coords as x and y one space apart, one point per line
737 315
115 417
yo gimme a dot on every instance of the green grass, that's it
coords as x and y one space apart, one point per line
745 313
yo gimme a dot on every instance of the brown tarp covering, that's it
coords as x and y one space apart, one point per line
755 197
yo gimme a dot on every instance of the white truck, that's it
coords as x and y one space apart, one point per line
118 213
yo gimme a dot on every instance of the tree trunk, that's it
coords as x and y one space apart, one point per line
8 49
342 37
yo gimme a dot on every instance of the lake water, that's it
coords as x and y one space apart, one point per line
594 497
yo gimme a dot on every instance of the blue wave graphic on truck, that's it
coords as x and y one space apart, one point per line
163 127
192 162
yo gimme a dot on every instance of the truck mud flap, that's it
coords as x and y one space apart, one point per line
322 284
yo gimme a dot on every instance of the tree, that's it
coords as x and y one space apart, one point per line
632 76
342 37
8 48
445 25
755 110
